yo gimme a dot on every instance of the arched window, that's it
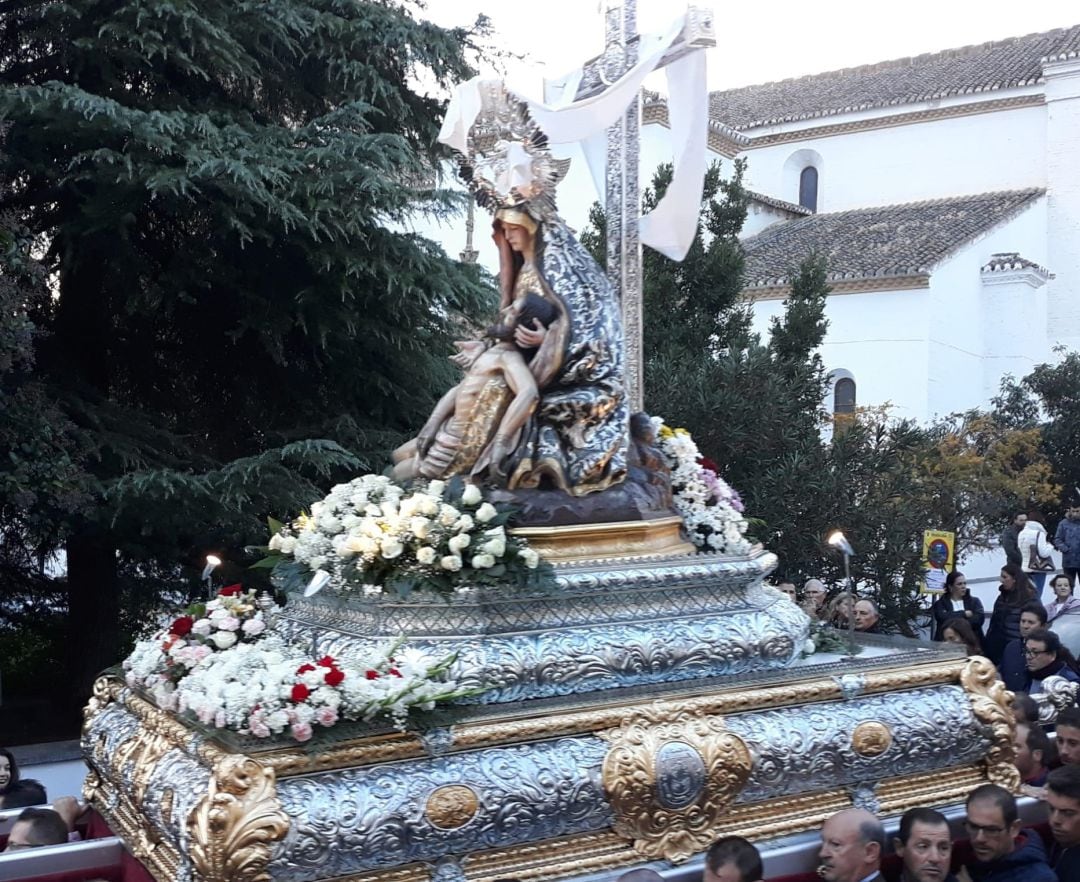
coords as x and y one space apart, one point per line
808 180
844 396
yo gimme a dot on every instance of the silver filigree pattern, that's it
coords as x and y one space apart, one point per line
851 685
359 819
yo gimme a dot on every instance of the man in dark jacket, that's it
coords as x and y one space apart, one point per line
1046 657
1067 541
1008 540
924 845
1063 799
1003 852
1013 668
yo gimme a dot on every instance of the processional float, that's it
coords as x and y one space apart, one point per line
646 701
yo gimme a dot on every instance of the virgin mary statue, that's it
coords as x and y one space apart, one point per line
570 432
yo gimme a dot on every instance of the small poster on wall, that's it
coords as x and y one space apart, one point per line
937 556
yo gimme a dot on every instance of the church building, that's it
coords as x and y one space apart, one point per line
944 192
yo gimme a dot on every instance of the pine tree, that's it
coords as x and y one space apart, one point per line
238 318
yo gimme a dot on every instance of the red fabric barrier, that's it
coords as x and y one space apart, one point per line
109 874
133 871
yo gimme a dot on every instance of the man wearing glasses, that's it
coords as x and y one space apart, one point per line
1003 852
1045 657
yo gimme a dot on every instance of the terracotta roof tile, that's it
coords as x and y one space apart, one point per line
987 67
887 240
772 201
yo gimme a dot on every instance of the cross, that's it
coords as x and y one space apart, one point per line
623 193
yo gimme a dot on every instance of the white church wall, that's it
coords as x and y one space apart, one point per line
1063 174
871 335
1004 150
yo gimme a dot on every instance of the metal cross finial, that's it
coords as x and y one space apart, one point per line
622 194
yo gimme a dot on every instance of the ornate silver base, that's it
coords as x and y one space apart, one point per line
608 626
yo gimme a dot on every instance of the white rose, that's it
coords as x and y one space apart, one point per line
472 495
459 542
464 524
420 527
483 561
448 515
485 512
368 545
391 548
288 545
408 507
426 555
451 563
429 506
530 558
436 488
275 542
223 639
496 547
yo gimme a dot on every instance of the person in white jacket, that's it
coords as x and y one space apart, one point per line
1034 546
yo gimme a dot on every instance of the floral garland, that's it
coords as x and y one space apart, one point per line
711 509
262 686
372 534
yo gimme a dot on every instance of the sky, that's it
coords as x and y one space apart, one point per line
764 40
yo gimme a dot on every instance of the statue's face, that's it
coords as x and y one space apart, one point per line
517 236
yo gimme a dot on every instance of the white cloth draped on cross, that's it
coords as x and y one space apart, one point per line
670 227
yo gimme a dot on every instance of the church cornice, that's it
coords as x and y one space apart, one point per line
899 119
844 286
1010 268
722 139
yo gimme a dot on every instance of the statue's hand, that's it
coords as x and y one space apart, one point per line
528 338
424 439
468 352
498 236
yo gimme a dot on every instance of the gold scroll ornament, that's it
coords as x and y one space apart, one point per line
670 778
234 827
991 703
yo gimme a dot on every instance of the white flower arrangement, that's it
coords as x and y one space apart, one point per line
266 687
710 507
371 534
202 629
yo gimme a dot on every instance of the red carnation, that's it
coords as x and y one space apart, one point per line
327 662
303 669
300 692
334 677
182 626
372 675
231 590
395 672
707 463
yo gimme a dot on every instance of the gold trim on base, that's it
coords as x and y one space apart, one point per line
580 543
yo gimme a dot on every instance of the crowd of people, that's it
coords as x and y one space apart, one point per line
993 845
37 824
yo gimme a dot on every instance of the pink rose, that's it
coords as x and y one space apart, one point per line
301 731
326 716
259 728
253 626
228 623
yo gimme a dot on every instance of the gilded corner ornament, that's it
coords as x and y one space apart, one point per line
234 826
991 703
670 779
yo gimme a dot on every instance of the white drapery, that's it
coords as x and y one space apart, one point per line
670 227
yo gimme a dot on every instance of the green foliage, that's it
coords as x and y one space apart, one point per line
1048 401
239 317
